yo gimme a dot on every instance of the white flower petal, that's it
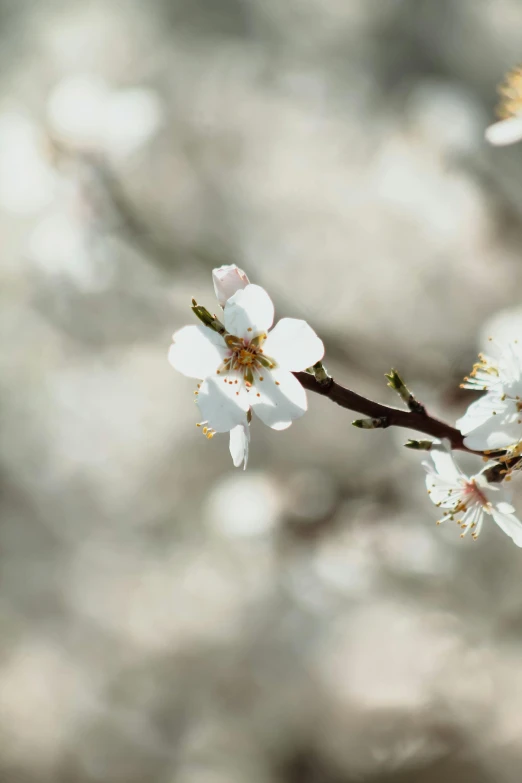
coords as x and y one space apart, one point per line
197 351
239 442
505 132
480 412
249 312
509 363
509 523
220 406
227 280
281 399
294 345
491 435
505 508
444 464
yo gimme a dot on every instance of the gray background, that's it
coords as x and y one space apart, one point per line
163 616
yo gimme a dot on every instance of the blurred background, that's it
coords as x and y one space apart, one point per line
164 616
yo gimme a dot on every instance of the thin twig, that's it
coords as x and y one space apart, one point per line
395 417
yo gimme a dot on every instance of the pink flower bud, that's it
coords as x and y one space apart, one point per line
227 280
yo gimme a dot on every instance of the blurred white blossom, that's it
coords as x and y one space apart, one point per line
244 507
85 112
509 128
27 180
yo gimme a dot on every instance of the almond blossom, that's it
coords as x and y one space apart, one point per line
248 366
468 500
495 420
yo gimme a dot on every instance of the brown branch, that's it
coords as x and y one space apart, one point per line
392 417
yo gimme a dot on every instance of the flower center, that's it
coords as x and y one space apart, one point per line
472 494
246 358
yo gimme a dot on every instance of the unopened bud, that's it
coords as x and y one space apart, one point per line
396 383
320 372
207 318
419 445
227 280
371 424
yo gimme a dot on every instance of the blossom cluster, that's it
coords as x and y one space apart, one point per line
244 366
492 425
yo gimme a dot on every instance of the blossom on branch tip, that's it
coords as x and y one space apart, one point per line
508 129
250 366
495 420
468 500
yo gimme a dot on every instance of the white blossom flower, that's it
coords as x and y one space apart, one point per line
495 420
509 128
248 367
469 500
